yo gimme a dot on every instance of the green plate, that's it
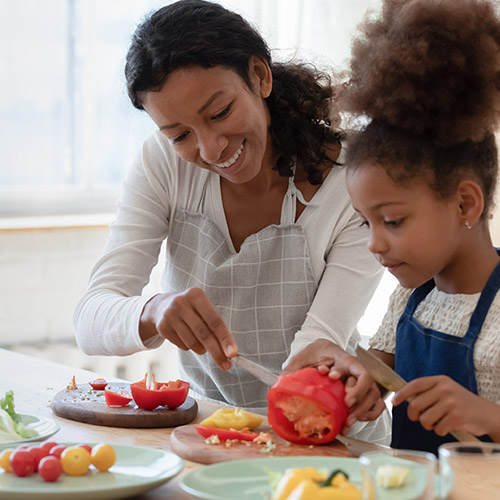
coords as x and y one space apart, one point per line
136 470
45 427
248 479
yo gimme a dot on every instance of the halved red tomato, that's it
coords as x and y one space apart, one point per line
98 384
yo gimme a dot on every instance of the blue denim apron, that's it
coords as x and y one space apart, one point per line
423 352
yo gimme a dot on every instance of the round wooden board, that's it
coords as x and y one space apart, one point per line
188 444
87 405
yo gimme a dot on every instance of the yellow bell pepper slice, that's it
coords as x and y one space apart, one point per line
232 418
292 478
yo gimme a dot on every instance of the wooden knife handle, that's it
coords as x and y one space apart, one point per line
464 436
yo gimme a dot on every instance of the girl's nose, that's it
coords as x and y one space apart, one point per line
377 243
211 146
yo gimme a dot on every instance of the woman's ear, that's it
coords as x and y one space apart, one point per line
471 201
260 76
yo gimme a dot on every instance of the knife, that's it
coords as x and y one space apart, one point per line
258 371
388 378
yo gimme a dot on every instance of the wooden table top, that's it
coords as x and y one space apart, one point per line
35 381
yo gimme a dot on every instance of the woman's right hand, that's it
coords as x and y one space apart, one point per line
190 321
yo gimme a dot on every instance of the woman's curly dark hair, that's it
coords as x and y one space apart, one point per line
426 74
200 33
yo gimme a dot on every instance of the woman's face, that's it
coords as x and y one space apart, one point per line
214 120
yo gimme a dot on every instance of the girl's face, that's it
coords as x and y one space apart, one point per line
413 234
214 120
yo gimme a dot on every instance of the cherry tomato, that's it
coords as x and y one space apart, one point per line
50 468
47 446
22 463
75 461
103 456
57 450
86 447
98 384
38 453
4 459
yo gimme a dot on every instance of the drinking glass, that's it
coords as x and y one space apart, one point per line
398 475
470 471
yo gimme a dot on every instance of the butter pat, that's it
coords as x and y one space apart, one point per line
391 476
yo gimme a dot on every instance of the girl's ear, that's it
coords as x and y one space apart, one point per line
471 200
261 76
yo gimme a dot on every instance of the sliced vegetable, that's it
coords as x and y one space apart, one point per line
306 407
11 426
225 434
171 394
117 399
99 384
232 418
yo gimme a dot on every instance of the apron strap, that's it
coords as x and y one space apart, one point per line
289 206
483 305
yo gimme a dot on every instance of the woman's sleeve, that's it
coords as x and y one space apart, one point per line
349 279
106 318
385 338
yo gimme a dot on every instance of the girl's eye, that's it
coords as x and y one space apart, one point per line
223 113
393 223
364 223
179 138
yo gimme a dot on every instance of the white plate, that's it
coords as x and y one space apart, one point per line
137 469
44 427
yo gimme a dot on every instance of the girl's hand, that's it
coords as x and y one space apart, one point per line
442 405
190 321
362 394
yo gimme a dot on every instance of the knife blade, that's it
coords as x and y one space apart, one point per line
388 378
258 371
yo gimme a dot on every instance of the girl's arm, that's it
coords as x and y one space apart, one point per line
442 405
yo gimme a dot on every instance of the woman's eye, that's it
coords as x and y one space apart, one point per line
179 138
223 113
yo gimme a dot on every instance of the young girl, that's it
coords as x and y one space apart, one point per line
422 175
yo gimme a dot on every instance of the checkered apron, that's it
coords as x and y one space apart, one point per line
263 293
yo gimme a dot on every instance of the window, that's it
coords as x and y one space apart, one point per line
68 129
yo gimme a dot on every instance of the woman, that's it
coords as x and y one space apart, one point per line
265 256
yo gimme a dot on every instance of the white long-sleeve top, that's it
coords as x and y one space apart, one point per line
107 317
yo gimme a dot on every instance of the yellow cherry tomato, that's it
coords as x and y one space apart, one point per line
4 459
232 418
103 456
75 461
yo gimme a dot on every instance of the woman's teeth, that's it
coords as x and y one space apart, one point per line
231 160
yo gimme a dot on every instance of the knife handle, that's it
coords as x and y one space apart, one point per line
464 436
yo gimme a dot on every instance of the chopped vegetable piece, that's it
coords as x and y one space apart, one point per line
224 434
232 418
121 398
171 394
99 384
306 407
391 476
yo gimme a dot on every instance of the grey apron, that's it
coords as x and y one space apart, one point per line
263 293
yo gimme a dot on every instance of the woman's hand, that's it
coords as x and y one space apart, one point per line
442 405
190 321
362 394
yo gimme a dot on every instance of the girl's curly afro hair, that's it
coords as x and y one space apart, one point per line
426 74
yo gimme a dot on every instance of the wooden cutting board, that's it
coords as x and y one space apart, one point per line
87 405
188 444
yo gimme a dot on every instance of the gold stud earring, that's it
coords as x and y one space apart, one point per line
467 224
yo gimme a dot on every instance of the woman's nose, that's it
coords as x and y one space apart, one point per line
211 146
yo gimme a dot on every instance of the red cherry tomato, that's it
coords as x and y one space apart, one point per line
38 453
98 384
85 447
57 450
22 463
50 468
47 446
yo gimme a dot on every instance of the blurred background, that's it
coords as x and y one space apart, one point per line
68 134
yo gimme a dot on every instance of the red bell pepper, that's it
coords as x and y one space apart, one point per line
98 384
171 394
306 407
121 398
225 434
